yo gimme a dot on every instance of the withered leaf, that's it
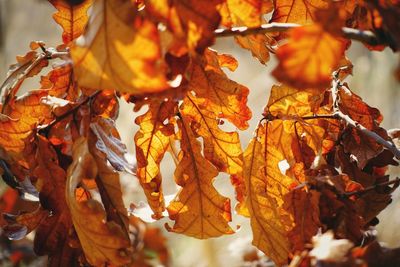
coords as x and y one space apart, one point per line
198 209
102 242
120 50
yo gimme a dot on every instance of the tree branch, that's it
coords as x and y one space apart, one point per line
367 37
69 112
352 123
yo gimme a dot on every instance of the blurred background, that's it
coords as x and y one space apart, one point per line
23 21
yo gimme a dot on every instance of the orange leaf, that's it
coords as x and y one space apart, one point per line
297 11
309 57
120 50
198 210
72 18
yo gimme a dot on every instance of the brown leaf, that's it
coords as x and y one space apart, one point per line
102 242
198 210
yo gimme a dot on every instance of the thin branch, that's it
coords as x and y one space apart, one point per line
367 37
389 145
336 84
373 187
69 112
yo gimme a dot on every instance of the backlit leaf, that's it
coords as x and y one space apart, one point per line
152 141
72 18
309 57
120 50
102 242
297 11
198 210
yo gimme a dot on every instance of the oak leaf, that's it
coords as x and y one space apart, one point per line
152 141
102 242
297 11
119 50
198 209
226 98
309 57
265 187
72 18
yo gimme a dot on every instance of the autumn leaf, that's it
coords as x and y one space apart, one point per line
361 146
152 141
309 57
60 83
198 209
221 148
265 187
50 182
303 206
102 242
248 13
221 95
120 50
191 22
72 18
297 11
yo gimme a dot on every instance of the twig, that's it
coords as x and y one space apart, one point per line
69 112
371 188
337 112
367 37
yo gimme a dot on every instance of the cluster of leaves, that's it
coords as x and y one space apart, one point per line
317 160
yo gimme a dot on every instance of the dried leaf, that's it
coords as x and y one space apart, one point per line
102 242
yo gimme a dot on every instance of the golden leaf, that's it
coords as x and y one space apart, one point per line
120 50
198 210
297 11
221 148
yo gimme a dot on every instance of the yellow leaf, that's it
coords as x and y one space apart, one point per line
102 242
198 210
120 50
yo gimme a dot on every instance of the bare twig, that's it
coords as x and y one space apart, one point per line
367 37
371 188
69 112
336 84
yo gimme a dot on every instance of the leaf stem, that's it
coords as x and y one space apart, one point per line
367 37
